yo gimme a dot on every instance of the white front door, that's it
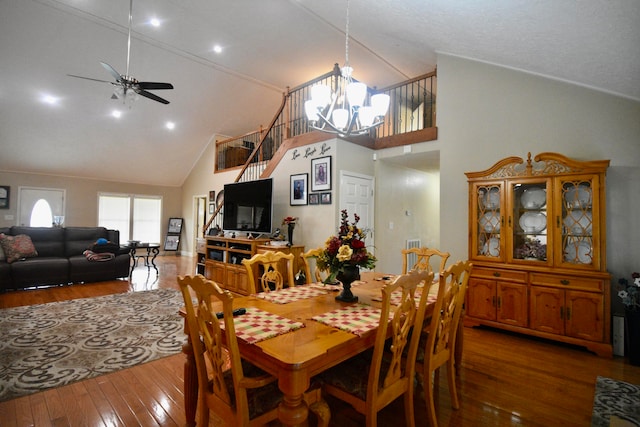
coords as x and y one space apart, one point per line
29 196
357 196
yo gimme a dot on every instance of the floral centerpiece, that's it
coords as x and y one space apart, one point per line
345 251
629 292
531 248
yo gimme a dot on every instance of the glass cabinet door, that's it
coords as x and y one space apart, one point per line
529 221
577 225
488 222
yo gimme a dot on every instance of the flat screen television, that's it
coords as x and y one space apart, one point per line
248 206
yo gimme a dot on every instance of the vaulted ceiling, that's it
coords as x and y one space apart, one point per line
266 45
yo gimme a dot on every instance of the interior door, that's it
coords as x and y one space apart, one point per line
29 196
357 196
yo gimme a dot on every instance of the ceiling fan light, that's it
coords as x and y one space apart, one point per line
311 110
356 92
380 104
340 117
321 95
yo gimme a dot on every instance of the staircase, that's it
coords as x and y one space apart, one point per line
411 119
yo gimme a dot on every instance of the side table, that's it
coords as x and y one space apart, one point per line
148 252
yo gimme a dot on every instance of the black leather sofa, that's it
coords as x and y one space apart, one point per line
60 258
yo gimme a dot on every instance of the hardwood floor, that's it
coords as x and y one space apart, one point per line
505 380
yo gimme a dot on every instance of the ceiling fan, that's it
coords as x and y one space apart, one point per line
126 86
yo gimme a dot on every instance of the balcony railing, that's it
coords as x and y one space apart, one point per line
411 111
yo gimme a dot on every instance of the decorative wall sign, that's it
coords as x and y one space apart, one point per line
171 242
175 226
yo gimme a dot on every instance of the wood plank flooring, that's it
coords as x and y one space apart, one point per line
505 380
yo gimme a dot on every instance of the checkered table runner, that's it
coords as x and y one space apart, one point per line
396 297
258 325
356 319
286 295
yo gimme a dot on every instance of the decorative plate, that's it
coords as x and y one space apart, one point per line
578 196
490 222
533 198
578 253
533 222
491 199
492 247
579 223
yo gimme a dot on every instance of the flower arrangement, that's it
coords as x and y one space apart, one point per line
629 292
345 249
289 220
531 248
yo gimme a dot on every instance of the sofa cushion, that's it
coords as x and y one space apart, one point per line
17 247
49 241
79 239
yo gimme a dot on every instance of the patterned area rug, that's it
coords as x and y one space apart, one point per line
50 345
615 398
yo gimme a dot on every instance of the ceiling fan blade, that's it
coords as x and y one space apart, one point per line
151 96
89 78
154 86
112 71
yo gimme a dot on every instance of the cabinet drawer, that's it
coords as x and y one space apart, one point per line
571 282
499 274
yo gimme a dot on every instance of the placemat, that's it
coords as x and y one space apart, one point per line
396 298
258 325
356 319
286 295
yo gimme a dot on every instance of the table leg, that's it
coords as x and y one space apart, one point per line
134 260
293 410
155 252
190 384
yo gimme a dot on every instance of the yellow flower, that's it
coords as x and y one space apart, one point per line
344 253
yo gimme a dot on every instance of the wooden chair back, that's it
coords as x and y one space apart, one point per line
423 259
271 276
311 270
205 334
390 375
443 327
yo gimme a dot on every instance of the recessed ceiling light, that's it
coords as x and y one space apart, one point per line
154 22
116 113
170 125
217 48
49 99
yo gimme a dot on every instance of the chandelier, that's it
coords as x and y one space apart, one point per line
343 112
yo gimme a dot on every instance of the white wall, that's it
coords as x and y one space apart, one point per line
486 113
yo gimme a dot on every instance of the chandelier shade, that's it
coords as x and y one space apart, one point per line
344 111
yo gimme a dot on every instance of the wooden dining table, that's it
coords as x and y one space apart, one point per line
297 356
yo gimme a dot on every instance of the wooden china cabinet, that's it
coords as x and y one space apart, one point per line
537 242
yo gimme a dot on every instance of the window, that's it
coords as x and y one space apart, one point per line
136 217
41 215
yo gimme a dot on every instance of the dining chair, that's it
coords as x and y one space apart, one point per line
313 273
439 341
271 278
375 378
423 259
233 389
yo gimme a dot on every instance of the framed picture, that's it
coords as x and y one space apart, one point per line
171 243
4 197
314 199
298 190
321 174
212 196
212 208
175 226
325 198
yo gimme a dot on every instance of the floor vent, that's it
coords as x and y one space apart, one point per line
412 258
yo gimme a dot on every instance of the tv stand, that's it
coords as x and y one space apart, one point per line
223 261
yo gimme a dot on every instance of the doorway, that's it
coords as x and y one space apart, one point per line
49 201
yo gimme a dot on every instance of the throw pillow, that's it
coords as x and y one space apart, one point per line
17 247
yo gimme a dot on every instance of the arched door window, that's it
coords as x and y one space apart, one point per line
41 214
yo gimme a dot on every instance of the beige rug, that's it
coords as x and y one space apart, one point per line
50 345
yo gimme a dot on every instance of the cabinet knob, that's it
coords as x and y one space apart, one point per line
565 282
496 274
